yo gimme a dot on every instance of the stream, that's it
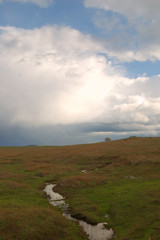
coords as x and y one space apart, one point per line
94 232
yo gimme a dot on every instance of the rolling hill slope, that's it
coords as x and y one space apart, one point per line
117 180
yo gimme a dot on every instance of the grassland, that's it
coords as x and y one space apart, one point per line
122 181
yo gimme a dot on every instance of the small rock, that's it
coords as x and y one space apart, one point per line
84 171
130 177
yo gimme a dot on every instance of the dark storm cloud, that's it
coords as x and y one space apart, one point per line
72 133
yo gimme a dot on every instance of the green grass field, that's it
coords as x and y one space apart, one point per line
122 181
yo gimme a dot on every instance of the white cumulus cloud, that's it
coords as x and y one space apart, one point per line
57 75
133 10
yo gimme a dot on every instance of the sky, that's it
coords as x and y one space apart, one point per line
77 71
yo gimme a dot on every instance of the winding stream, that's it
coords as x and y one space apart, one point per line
96 232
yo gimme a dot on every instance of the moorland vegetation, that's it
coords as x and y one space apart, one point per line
121 180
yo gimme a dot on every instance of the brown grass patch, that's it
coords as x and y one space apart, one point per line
35 224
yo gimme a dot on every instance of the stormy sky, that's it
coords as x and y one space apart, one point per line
77 71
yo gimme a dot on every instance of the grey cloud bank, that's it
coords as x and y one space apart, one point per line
72 133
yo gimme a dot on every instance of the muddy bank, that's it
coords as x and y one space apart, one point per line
94 232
